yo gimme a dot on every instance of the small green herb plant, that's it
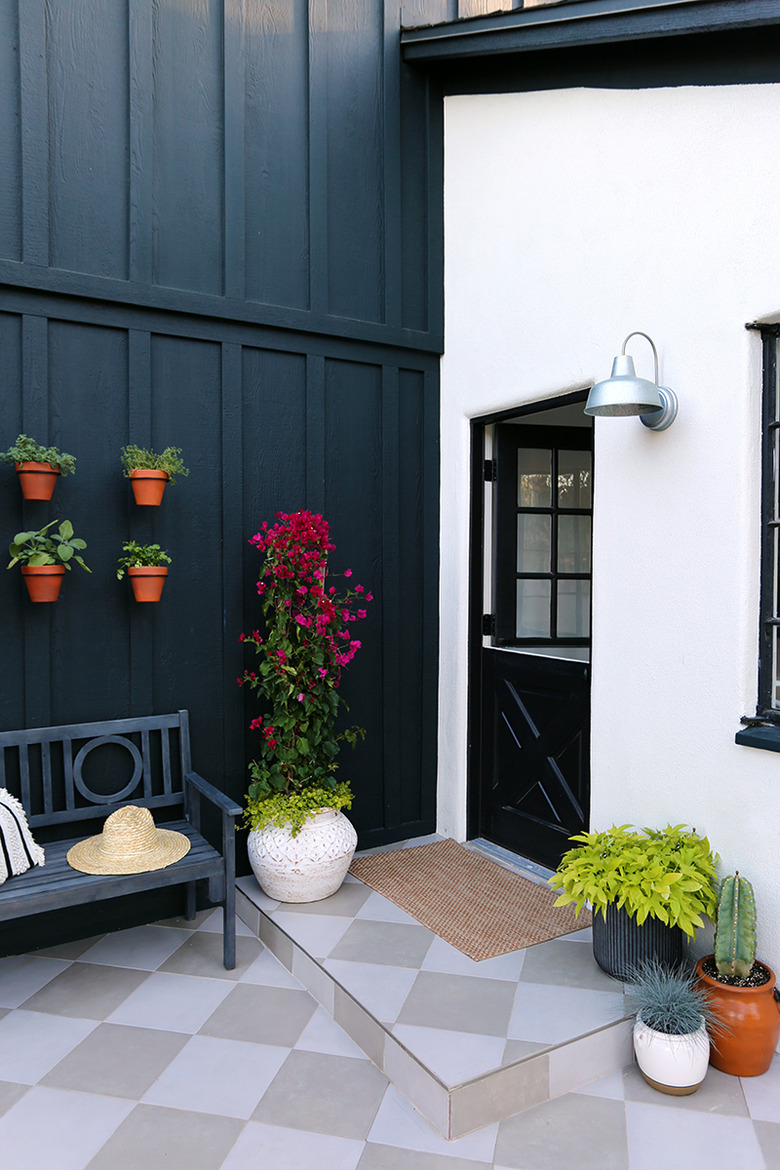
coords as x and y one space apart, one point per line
140 555
294 808
669 999
39 548
26 450
668 874
138 459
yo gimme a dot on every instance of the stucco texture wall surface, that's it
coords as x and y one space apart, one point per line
572 218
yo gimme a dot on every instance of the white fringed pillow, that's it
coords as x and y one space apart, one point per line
18 850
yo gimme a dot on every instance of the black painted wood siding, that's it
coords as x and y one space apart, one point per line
217 232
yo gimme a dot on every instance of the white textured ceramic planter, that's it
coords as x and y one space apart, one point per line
307 867
672 1064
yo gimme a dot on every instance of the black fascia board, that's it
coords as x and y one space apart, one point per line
580 24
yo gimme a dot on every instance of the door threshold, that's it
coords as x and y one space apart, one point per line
522 865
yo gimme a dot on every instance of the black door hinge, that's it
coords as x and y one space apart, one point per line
488 624
491 471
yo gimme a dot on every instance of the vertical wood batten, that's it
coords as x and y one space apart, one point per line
38 618
315 433
391 184
33 68
232 541
388 599
138 521
10 136
318 156
429 552
234 105
140 138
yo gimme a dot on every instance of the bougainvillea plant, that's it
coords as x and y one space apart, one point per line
307 641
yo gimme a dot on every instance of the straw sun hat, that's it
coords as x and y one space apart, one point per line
129 843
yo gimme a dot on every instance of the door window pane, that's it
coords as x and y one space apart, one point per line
533 609
574 544
573 609
534 478
574 479
534 543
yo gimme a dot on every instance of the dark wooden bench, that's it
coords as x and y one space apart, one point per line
68 776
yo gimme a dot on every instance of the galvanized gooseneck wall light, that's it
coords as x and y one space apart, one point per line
623 393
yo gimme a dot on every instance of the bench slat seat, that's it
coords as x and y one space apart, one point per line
55 791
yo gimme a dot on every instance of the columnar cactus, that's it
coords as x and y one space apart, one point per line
735 929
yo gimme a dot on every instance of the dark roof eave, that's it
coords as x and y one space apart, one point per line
579 24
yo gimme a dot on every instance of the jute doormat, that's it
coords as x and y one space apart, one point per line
475 905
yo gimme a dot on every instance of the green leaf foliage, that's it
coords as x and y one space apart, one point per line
668 874
38 548
141 459
139 555
26 450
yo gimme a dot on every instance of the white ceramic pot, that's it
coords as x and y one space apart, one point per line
305 868
672 1064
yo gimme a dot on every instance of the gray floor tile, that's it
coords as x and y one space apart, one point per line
322 1034
763 1093
459 1003
562 963
268 971
150 1137
588 1133
264 1015
51 1128
201 954
719 1093
117 1060
768 1135
378 1157
393 943
86 990
10 1094
515 1050
272 1147
325 1094
182 923
70 950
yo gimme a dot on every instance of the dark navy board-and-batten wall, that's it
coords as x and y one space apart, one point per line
217 232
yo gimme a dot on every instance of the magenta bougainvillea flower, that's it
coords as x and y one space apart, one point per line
305 646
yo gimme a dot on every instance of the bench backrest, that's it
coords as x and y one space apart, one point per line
83 770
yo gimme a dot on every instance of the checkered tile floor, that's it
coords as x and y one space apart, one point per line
137 1050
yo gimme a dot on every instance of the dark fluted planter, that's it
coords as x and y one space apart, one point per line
620 944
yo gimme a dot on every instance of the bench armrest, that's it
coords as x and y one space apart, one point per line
227 806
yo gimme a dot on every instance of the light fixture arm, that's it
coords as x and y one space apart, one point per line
656 420
639 333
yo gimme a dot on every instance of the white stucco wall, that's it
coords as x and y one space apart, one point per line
572 218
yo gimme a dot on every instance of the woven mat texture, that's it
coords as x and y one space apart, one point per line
475 905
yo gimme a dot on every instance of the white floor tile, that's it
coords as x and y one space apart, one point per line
31 1043
143 948
379 988
609 1086
291 1149
227 1077
763 1093
453 1056
22 975
316 933
449 960
399 1124
176 1003
551 1015
321 1034
267 969
664 1136
380 909
58 1129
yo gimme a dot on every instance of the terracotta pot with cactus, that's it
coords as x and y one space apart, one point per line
740 989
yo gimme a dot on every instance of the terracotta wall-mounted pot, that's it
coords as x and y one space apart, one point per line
147 581
43 581
37 480
148 486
